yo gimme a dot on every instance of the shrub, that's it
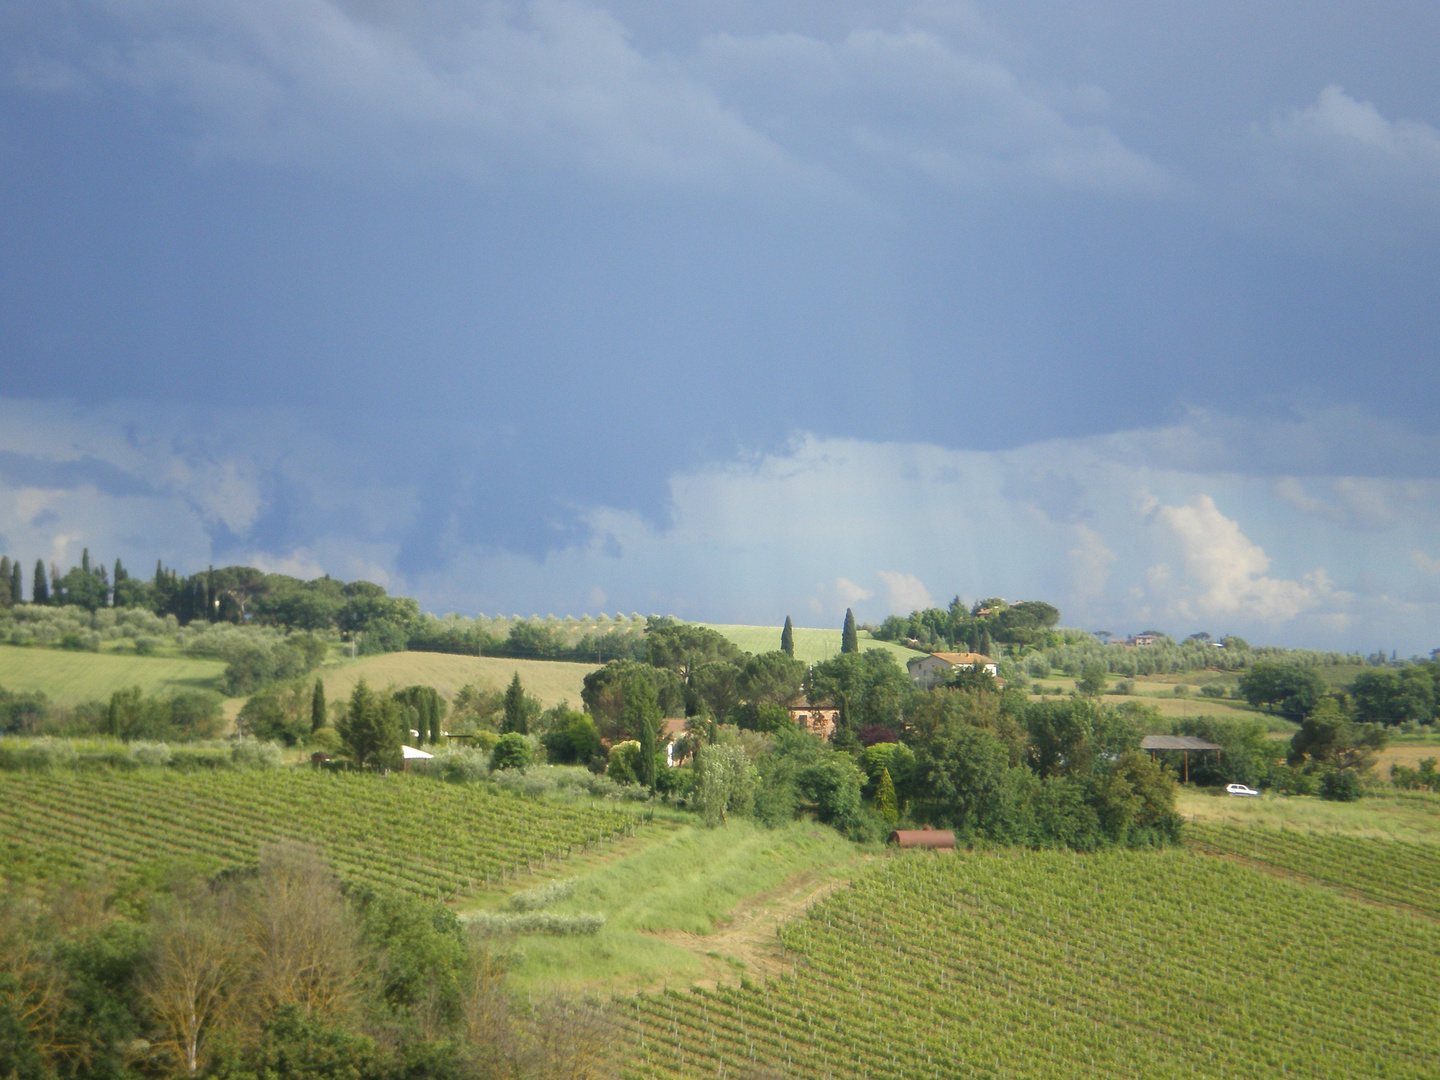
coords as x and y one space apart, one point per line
150 753
535 922
624 765
1213 690
249 754
511 751
1341 785
543 895
1124 687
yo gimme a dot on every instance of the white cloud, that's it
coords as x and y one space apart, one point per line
1340 153
1123 531
1226 573
904 593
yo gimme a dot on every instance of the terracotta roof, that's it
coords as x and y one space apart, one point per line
673 727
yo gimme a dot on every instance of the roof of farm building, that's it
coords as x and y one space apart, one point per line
1177 742
926 838
957 658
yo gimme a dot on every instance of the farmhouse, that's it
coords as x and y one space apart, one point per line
819 718
672 728
1143 639
937 668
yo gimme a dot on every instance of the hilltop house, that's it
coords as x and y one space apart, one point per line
937 668
819 718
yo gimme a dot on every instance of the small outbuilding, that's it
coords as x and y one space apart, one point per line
923 838
410 753
1184 744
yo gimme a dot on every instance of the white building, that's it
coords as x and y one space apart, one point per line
937 668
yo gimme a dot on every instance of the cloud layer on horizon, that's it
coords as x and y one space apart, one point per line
1127 531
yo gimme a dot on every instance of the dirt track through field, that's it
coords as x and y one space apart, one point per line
747 944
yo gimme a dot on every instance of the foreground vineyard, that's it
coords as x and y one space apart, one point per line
1388 871
398 832
1053 965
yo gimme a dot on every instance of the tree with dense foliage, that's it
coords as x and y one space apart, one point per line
17 587
724 783
319 717
39 586
517 719
1391 698
604 694
683 647
371 729
869 688
642 723
512 751
885 804
787 639
849 636
1287 689
1329 738
1092 680
572 739
6 598
717 686
772 677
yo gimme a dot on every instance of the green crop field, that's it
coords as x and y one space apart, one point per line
400 832
811 645
1052 965
551 681
1385 871
68 677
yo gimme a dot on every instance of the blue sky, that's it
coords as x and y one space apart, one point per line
736 310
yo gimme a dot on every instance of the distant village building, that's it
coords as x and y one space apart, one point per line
1143 639
672 728
938 668
819 718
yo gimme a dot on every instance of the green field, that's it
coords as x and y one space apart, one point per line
551 681
411 834
812 646
1411 816
1050 965
1384 871
70 677
682 904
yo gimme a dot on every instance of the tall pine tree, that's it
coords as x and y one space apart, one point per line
436 707
516 719
849 637
318 714
787 639
40 587
5 598
17 587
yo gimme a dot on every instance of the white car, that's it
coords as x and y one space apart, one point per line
1240 789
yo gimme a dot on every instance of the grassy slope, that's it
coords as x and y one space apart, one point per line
811 645
550 681
1410 816
69 677
669 898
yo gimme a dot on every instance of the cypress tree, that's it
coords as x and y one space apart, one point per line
5 598
317 706
849 637
436 736
787 639
515 719
885 804
85 561
39 588
17 587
